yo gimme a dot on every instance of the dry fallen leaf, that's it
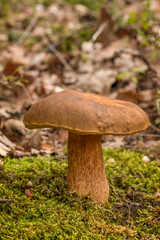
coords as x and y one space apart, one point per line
5 145
32 139
29 184
108 32
1 162
60 136
47 149
29 194
15 125
99 81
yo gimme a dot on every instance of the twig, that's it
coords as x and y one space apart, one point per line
99 31
8 201
148 135
28 29
134 53
155 128
158 107
88 25
153 114
58 54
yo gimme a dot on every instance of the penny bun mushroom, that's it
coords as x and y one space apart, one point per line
86 117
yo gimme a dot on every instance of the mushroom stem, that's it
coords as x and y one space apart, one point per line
86 170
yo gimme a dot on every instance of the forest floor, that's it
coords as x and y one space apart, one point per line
39 205
111 50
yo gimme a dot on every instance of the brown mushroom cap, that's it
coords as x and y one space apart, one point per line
86 113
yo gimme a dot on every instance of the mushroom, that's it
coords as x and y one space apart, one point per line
86 117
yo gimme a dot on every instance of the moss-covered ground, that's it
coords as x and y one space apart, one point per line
132 212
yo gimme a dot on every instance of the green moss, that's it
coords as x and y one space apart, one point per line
132 211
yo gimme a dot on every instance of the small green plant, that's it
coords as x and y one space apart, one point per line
133 74
15 79
4 7
146 26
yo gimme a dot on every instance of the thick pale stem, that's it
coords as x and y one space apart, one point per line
86 170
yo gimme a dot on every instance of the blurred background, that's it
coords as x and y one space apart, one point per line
111 48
